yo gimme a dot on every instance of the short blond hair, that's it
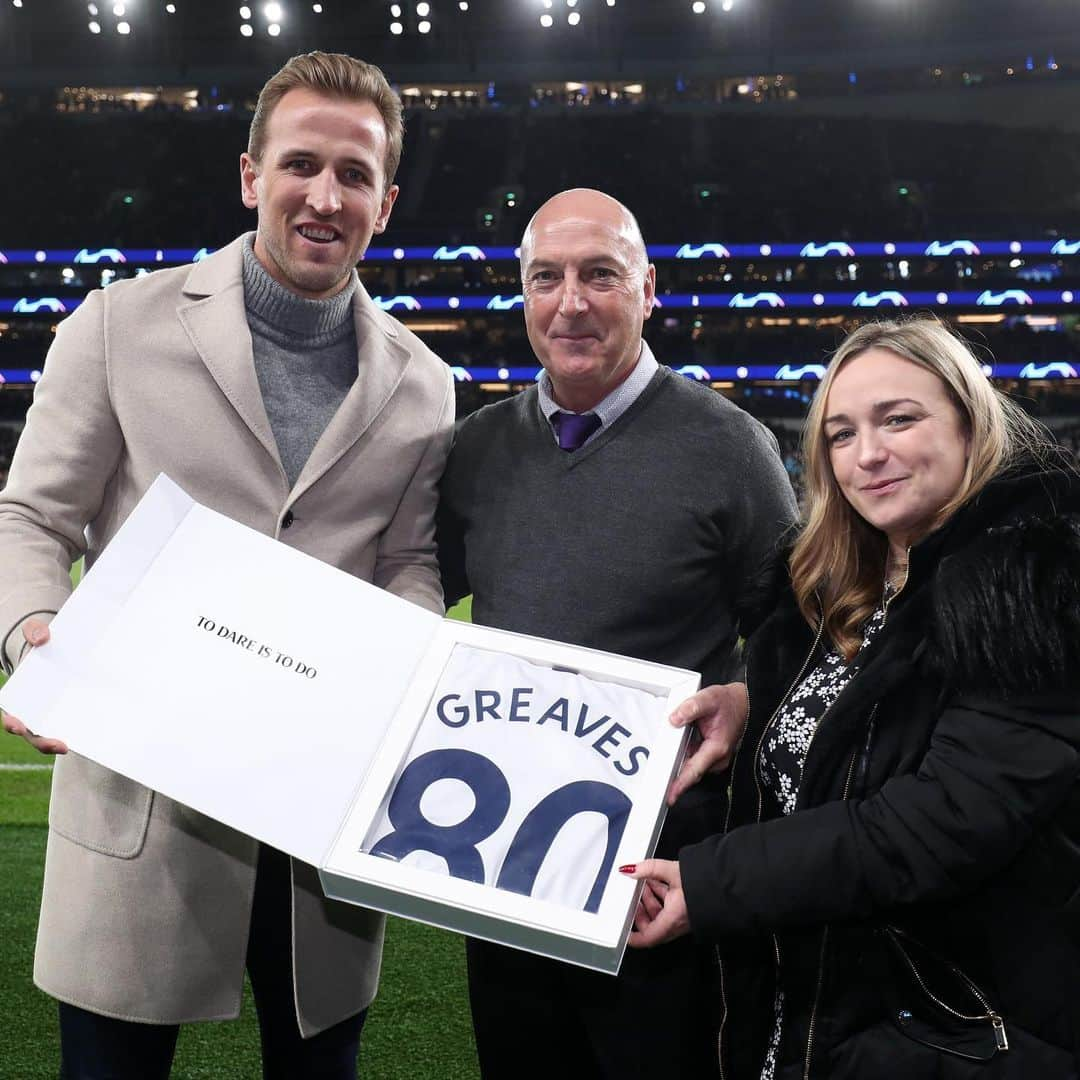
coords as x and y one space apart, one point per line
339 76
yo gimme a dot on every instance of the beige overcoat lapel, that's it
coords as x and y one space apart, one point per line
381 364
212 313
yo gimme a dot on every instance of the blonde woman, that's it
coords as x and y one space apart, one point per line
896 889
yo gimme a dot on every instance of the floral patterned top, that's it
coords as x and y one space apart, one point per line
786 742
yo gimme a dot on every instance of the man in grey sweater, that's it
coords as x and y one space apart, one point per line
614 505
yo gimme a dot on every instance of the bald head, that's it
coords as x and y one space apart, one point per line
588 288
580 206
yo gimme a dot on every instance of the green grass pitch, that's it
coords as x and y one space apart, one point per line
418 1027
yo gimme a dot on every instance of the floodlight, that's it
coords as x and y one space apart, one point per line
118 10
170 9
272 11
94 27
423 26
245 13
273 29
698 7
574 18
245 30
123 28
463 4
546 21
317 8
423 8
92 8
395 10
396 28
571 3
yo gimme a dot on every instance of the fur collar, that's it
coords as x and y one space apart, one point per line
1007 608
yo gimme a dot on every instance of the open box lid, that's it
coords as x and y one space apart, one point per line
268 678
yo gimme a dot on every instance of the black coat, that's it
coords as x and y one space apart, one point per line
931 872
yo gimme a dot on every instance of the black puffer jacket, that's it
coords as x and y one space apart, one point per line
921 909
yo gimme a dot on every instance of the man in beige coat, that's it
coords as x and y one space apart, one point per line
228 376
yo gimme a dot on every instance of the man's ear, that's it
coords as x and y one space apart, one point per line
249 176
384 211
650 289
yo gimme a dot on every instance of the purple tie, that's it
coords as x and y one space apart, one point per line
574 428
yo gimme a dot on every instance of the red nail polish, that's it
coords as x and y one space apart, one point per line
629 868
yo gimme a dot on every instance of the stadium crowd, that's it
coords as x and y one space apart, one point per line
913 177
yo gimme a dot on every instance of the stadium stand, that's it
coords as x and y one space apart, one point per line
136 178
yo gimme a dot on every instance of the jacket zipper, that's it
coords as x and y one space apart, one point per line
738 747
996 1021
723 1014
825 932
761 742
760 795
727 824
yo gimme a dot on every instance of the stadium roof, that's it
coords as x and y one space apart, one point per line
51 42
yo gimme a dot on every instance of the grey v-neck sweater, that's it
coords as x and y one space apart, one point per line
644 542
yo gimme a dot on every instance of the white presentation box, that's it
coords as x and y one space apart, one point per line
284 698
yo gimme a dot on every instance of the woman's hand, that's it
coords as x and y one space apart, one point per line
661 914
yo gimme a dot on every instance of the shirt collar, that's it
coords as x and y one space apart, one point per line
615 404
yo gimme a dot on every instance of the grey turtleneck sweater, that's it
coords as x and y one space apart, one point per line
305 358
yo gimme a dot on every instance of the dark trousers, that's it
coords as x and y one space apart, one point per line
95 1047
535 1017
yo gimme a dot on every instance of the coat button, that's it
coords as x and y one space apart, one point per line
287 520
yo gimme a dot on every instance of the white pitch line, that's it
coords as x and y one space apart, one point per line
11 766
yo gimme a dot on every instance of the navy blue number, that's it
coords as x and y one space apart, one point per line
455 843
540 827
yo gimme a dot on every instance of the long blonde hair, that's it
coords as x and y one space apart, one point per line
839 559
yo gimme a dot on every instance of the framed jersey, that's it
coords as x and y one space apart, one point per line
517 776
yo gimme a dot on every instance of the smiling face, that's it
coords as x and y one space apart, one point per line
587 289
318 190
897 444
